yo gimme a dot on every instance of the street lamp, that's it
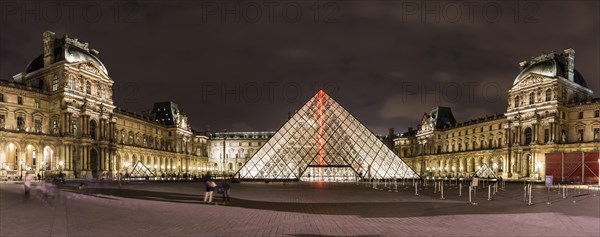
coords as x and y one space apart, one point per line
224 149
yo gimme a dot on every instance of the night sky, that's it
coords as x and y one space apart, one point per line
243 65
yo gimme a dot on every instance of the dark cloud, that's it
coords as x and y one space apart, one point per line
232 64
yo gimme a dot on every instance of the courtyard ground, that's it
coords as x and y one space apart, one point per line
293 209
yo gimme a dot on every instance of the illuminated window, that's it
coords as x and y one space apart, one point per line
531 98
38 125
36 103
548 94
55 83
20 123
517 101
54 127
72 83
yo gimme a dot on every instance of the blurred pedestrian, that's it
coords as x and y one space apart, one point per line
27 184
225 187
210 188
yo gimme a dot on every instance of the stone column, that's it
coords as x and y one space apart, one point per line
86 158
69 155
111 131
82 125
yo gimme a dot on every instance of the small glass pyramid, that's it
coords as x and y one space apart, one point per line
141 171
324 142
485 172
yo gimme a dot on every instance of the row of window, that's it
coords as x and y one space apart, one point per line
37 124
238 144
532 98
460 133
596 114
36 102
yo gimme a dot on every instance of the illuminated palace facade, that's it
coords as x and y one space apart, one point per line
550 109
58 116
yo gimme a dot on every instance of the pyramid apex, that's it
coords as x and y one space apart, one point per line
321 92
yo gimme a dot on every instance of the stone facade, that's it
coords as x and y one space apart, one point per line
550 109
58 116
239 147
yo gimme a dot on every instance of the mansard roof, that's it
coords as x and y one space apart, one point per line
550 65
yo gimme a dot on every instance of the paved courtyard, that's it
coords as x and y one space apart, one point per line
292 209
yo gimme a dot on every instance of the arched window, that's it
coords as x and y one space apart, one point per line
548 94
531 98
528 135
517 101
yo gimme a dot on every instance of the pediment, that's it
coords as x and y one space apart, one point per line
531 80
89 67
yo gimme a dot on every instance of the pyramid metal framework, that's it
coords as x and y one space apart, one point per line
139 170
485 172
322 139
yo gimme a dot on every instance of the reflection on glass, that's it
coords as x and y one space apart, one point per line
324 142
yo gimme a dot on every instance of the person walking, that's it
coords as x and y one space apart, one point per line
225 187
210 188
27 184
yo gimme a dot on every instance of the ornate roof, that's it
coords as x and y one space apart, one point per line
549 65
69 50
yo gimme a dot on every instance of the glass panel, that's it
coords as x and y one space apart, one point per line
323 142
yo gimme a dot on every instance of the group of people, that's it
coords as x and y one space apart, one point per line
223 188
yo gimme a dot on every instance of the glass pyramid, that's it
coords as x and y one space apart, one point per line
141 171
324 142
485 172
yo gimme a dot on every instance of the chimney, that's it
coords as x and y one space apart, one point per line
391 134
48 38
569 57
523 65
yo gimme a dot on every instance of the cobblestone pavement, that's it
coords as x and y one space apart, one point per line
292 209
